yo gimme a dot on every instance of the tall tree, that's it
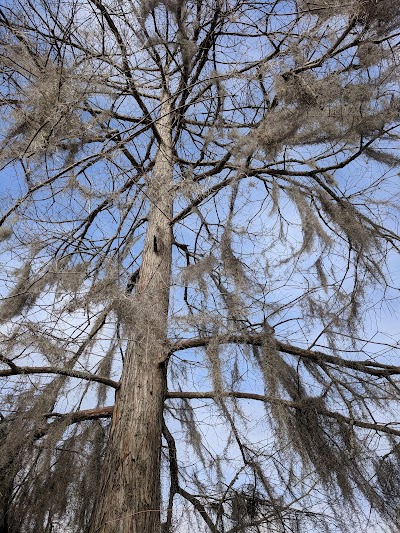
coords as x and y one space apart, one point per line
199 242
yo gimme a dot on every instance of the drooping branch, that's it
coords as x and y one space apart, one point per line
366 366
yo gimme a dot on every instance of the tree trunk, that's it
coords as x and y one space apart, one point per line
129 499
5 496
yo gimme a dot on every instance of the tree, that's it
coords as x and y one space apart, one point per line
199 218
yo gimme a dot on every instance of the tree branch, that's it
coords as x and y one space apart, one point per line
173 472
107 411
366 366
87 414
385 428
29 370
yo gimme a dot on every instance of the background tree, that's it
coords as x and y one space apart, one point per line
199 218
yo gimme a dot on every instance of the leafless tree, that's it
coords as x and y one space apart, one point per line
199 238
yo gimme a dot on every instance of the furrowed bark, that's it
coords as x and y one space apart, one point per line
129 499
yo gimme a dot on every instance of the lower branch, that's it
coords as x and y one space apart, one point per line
176 489
384 428
199 508
106 412
15 370
173 472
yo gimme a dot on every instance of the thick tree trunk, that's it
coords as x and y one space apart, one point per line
129 500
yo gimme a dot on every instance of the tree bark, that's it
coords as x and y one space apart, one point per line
129 499
5 496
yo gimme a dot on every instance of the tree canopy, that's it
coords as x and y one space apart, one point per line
199 208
